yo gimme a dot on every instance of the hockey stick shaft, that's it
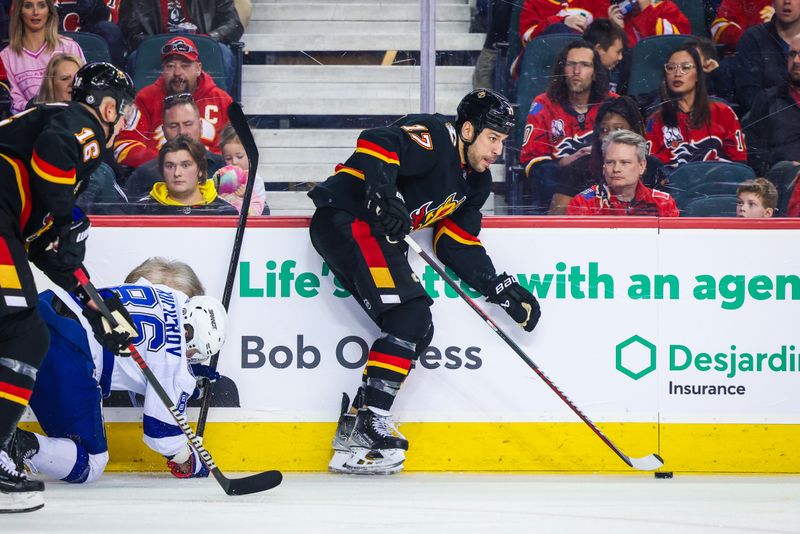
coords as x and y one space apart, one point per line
252 484
239 123
510 342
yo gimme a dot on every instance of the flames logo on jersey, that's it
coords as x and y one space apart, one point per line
705 149
424 216
557 130
570 145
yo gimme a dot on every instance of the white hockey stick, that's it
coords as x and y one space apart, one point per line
646 463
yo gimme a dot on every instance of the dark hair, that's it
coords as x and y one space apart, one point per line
603 32
170 101
626 108
704 45
700 114
558 90
195 148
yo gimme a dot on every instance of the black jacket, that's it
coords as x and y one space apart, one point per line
760 62
216 18
772 129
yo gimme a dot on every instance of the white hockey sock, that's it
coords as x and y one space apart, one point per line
56 456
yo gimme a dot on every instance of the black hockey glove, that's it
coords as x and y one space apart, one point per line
71 243
389 211
116 339
46 260
204 374
517 301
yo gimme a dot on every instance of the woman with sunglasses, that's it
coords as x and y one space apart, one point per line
688 125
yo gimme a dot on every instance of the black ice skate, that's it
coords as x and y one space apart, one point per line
23 446
347 420
376 446
17 493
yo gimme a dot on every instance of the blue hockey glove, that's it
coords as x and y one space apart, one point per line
517 301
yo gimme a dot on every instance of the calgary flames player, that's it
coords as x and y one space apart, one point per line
422 171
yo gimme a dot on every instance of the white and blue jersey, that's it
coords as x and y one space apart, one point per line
78 372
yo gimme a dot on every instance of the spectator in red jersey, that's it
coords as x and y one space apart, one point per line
623 193
735 16
560 122
761 52
647 18
181 72
94 16
689 126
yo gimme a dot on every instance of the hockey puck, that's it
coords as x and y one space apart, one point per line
663 474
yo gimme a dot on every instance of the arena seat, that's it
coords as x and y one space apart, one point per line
94 47
647 63
700 179
714 206
695 12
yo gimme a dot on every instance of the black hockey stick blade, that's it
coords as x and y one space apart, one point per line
237 486
647 463
249 484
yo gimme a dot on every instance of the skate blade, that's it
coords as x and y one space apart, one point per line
336 465
369 462
19 502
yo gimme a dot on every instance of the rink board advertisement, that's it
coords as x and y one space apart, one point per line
680 340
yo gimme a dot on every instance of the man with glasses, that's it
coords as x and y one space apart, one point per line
181 73
560 122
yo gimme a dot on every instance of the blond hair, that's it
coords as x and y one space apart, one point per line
763 189
171 273
47 92
16 27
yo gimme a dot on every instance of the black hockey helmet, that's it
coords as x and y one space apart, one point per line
93 81
485 108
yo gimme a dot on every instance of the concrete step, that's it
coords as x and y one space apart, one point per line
280 27
298 137
351 104
350 74
297 203
330 11
311 90
314 42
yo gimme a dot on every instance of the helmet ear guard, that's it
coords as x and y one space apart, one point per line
94 81
205 322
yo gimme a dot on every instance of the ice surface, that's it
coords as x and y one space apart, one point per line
414 503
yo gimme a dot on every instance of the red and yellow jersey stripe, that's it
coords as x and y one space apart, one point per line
15 393
453 231
373 256
349 170
23 186
51 173
371 149
8 272
389 362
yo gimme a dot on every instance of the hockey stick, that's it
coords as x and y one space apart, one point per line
239 123
239 486
646 463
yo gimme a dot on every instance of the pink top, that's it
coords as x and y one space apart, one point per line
26 70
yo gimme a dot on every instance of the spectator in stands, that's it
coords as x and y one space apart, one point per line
94 16
181 73
58 77
688 126
773 124
33 39
483 76
235 156
610 42
793 207
735 16
216 18
185 188
623 193
560 122
756 199
180 116
614 115
647 18
761 52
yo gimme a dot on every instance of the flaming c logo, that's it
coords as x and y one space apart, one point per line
423 216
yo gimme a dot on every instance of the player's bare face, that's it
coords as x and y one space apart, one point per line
182 119
486 149
35 15
622 168
234 154
64 76
579 70
181 174
180 74
683 78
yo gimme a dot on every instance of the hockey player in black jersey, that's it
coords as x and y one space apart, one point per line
422 171
47 154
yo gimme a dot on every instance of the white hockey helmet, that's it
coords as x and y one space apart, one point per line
205 321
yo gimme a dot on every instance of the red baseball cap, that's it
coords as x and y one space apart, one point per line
180 46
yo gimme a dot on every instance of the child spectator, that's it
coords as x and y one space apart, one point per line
33 39
623 192
688 126
231 184
647 18
610 42
756 199
186 188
